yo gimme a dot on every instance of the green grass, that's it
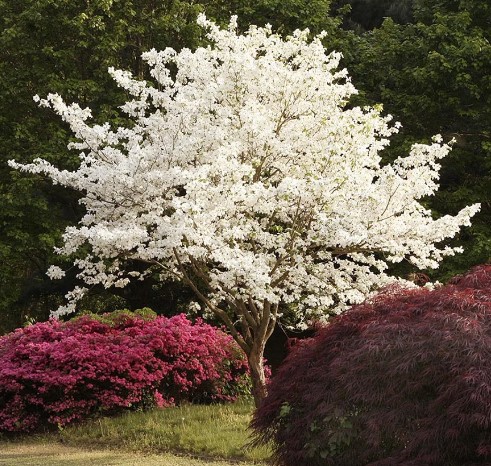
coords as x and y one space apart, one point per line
215 431
36 453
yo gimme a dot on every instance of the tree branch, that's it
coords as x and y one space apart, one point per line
220 313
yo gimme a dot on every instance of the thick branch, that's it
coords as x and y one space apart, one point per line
246 313
260 336
254 310
220 313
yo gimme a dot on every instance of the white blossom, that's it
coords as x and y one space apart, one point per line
247 166
72 298
54 272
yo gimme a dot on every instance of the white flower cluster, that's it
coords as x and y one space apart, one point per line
246 165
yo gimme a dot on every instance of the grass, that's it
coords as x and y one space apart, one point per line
204 434
55 454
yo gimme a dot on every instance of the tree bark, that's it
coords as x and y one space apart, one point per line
257 325
258 377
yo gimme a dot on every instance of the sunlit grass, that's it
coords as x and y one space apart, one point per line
35 453
211 431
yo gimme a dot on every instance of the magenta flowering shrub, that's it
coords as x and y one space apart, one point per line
402 379
54 373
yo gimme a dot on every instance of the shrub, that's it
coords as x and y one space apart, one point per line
53 373
403 379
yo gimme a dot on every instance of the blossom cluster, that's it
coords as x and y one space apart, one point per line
54 373
244 162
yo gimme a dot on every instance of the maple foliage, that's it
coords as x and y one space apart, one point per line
402 379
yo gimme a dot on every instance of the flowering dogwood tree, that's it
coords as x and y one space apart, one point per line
245 175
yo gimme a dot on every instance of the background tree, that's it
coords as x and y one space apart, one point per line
284 16
244 176
433 75
365 15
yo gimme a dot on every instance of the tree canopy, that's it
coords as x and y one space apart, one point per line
243 173
433 75
66 47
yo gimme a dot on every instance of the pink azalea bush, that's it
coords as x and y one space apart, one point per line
54 373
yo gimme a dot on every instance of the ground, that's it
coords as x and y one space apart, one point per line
54 454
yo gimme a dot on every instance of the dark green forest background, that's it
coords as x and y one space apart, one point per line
427 61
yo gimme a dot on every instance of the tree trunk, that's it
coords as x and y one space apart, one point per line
258 378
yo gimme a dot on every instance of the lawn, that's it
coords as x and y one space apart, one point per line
56 454
215 435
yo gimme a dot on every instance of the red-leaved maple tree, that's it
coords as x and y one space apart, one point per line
403 379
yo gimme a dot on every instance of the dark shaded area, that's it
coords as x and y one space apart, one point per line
365 15
280 344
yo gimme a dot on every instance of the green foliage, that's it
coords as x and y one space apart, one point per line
433 76
284 15
117 317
